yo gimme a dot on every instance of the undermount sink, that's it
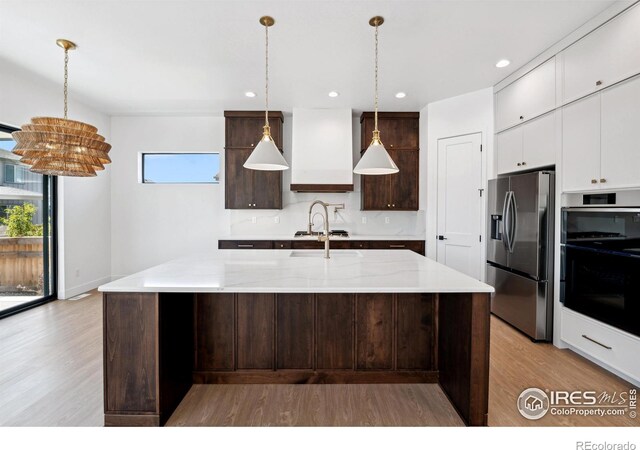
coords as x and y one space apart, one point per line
320 254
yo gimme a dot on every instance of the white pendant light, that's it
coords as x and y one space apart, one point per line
266 155
376 159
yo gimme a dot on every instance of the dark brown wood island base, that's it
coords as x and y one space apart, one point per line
157 345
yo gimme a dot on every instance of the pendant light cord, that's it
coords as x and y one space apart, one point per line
375 119
266 77
66 80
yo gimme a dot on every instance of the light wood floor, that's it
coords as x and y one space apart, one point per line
316 405
51 375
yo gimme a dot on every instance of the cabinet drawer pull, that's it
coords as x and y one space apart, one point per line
524 163
245 245
397 246
594 181
519 164
393 205
603 180
521 117
596 342
388 205
599 83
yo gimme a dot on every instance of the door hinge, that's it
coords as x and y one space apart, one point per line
481 191
480 147
480 238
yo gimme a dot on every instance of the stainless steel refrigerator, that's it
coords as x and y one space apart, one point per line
520 251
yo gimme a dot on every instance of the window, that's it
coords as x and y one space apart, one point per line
15 174
187 168
27 235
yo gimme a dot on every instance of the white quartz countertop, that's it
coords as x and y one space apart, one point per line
352 237
300 271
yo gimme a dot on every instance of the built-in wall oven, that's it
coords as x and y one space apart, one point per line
600 272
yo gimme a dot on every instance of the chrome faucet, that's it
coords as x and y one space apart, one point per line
325 236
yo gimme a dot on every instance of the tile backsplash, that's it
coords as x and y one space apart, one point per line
294 217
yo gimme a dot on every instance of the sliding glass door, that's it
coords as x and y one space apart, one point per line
27 232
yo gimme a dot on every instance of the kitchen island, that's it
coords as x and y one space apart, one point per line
291 316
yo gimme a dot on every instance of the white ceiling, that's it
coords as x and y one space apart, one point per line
199 57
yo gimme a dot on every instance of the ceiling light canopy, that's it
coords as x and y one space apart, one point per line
376 159
401 95
250 94
334 94
266 155
503 63
62 147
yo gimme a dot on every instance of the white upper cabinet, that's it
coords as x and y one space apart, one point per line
527 97
527 146
509 146
620 153
581 145
606 56
539 142
601 139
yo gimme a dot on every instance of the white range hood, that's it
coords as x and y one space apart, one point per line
322 150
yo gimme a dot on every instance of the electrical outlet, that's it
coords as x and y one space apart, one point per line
386 220
254 219
364 220
276 219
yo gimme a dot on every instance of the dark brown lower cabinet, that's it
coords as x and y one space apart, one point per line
255 331
416 340
294 322
334 331
148 356
156 345
215 331
374 331
306 244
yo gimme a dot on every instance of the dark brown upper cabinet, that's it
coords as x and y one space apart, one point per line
400 134
245 188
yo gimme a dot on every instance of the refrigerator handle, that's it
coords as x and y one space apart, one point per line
505 220
513 219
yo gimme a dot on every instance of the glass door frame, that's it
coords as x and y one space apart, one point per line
49 255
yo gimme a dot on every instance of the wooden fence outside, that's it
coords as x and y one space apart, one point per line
20 263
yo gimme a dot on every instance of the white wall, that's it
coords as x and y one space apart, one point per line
152 223
84 209
456 116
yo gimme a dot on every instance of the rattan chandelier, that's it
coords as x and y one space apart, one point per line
63 147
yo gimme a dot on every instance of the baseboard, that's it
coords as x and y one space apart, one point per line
80 289
291 376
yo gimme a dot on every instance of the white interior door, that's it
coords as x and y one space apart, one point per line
460 203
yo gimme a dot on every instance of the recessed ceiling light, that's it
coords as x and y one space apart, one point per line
250 94
503 63
333 94
401 95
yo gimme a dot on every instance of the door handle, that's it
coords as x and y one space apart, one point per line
506 221
397 246
245 245
441 238
513 221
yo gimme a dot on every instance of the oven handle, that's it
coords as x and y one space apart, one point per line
596 342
